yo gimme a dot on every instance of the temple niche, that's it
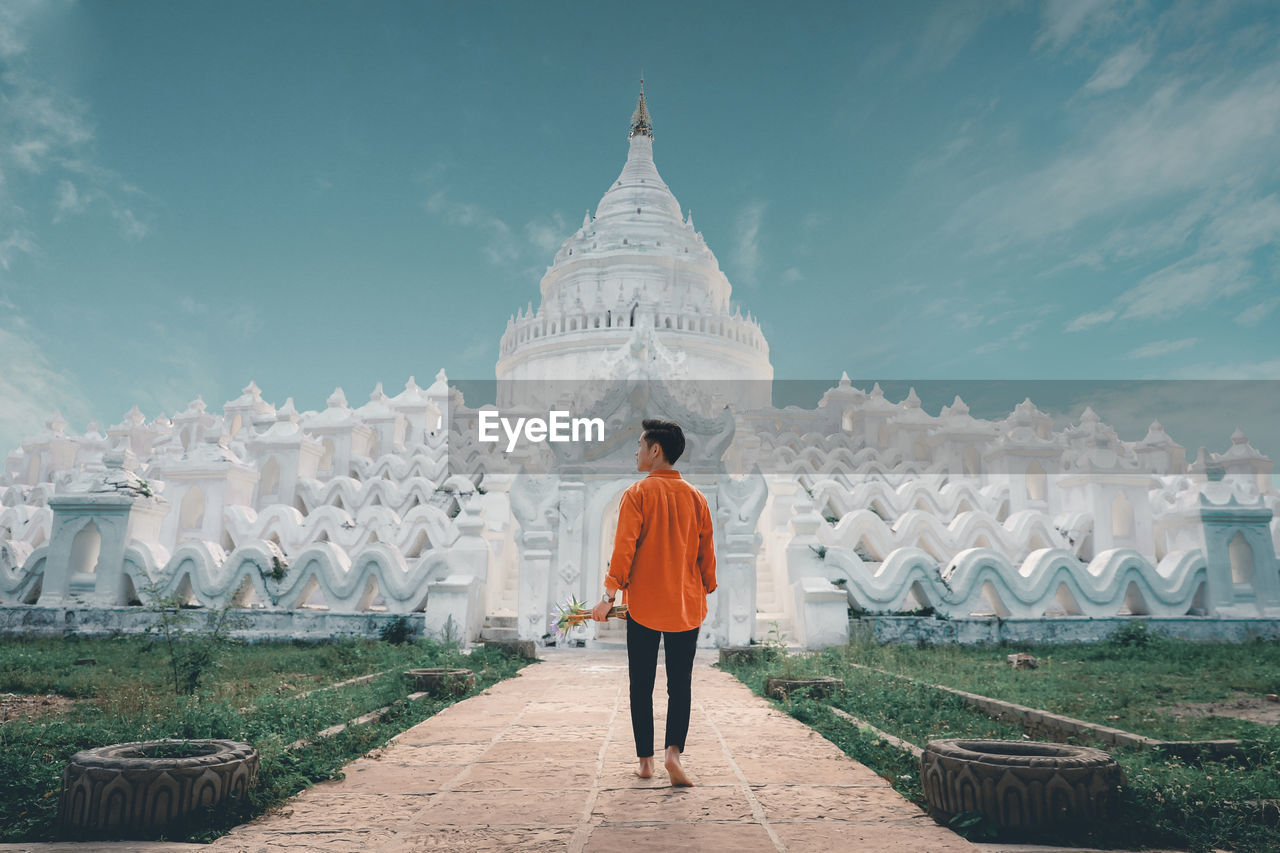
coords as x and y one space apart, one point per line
319 523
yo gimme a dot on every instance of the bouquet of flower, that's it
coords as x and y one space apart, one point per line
575 612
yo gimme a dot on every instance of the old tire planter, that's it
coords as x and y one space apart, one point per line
1018 784
119 791
442 680
818 688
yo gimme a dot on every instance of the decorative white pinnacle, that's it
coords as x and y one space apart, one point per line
640 122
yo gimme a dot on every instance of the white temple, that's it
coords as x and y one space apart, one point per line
638 261
334 521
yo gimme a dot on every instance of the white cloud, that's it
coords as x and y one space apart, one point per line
1158 348
1185 284
547 235
1024 329
948 30
31 386
130 227
746 251
46 134
1063 20
1090 319
965 136
1255 314
791 275
1239 370
188 305
1119 69
1181 139
1242 227
245 321
29 154
500 243
16 18
1221 267
18 241
68 200
811 226
1160 235
479 347
41 125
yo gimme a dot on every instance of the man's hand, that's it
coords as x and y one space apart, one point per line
600 612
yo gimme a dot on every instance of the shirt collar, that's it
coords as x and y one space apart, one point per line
666 472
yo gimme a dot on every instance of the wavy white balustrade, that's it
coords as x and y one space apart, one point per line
355 495
17 496
201 573
429 463
366 575
30 523
1049 582
421 529
894 472
889 502
1019 535
820 441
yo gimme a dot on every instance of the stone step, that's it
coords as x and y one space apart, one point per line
494 620
505 634
764 624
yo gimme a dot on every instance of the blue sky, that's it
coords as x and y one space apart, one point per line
312 194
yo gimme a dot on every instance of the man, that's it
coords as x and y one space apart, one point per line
665 564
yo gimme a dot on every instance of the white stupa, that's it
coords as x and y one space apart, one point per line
636 276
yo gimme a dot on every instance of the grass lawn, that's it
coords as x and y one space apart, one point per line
252 694
1164 802
1122 683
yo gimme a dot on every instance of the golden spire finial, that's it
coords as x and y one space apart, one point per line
640 121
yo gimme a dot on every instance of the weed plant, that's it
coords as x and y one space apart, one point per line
257 699
1227 804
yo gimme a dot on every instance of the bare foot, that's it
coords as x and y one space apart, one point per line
646 768
674 770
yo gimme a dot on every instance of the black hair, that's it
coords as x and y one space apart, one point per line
667 435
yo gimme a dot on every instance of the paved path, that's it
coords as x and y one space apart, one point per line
543 762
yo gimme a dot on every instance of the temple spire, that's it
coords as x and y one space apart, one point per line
640 121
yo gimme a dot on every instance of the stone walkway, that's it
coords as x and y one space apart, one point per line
544 762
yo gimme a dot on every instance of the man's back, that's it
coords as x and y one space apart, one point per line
663 555
665 564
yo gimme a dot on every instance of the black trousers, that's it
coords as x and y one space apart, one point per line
642 664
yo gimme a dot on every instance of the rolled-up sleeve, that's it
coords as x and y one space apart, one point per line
706 549
624 541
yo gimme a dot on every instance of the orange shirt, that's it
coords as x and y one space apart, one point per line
663 557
